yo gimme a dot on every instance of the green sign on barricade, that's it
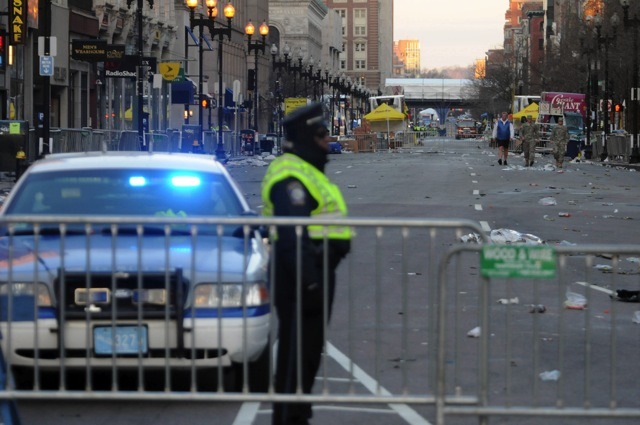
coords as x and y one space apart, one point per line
508 261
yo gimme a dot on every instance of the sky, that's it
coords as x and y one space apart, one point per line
451 32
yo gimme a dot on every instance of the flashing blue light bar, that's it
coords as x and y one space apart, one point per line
185 181
137 181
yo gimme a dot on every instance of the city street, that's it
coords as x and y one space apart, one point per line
462 179
443 179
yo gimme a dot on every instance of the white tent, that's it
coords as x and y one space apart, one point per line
429 88
428 111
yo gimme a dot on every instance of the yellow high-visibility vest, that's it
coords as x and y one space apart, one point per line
328 196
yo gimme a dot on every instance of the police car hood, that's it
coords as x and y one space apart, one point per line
129 253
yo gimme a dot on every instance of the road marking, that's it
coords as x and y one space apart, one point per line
247 413
597 288
478 207
407 413
473 174
476 192
249 410
485 226
474 181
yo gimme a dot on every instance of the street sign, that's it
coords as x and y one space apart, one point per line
46 66
509 261
53 46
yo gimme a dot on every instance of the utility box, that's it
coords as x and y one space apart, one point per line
14 136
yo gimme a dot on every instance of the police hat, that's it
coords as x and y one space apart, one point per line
301 124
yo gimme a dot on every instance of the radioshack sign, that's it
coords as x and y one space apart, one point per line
17 21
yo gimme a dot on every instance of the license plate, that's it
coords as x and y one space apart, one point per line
127 340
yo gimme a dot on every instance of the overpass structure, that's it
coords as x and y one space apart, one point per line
441 94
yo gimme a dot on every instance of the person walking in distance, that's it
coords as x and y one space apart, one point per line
529 133
503 135
559 137
295 185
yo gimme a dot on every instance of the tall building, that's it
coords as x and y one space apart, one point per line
524 44
409 53
367 40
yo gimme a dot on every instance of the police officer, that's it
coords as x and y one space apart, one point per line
560 138
295 186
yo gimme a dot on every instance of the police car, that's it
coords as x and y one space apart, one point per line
81 284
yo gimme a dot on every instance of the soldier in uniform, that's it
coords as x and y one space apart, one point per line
295 185
559 137
529 134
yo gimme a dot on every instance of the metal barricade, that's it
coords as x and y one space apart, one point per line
209 142
128 141
412 323
158 142
389 278
552 346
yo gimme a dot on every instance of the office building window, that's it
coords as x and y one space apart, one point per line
360 30
361 64
361 47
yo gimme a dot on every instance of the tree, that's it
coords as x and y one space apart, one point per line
492 93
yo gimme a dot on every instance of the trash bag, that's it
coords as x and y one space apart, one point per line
575 301
549 200
550 375
471 238
509 236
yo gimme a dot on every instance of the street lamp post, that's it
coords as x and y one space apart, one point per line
334 84
229 12
256 46
587 50
297 71
280 63
605 40
633 23
140 71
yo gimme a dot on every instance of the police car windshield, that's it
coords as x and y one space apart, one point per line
126 192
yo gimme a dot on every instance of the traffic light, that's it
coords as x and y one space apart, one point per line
618 107
204 101
207 102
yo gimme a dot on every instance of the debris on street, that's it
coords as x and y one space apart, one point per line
547 201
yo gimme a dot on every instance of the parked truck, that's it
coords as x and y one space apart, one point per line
553 105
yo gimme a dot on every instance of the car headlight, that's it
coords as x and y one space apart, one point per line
28 289
213 295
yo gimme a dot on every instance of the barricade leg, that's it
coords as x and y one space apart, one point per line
8 408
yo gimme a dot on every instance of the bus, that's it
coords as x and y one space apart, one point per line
395 101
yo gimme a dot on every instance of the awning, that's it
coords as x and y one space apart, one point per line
384 112
531 109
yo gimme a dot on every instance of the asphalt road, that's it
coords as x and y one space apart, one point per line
444 179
